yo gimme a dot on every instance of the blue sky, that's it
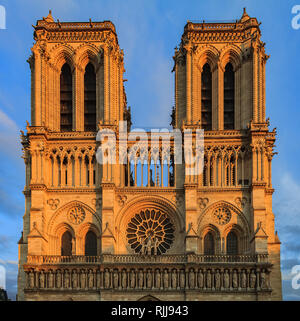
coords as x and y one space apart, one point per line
148 31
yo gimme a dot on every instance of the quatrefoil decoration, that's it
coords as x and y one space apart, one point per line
203 202
97 202
121 199
241 201
222 215
76 215
53 203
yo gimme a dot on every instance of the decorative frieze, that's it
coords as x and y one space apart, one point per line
133 278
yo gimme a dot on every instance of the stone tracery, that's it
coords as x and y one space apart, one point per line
62 166
150 232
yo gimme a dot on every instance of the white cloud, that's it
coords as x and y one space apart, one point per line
9 136
287 201
7 123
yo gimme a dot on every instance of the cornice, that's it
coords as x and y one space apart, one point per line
83 190
150 189
218 189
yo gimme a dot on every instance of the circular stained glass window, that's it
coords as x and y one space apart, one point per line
150 232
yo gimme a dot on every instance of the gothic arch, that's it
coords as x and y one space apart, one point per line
210 228
62 54
207 54
234 228
56 238
230 53
63 211
135 206
242 237
88 53
86 227
61 228
237 220
81 234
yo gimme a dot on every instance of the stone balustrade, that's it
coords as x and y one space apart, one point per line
135 258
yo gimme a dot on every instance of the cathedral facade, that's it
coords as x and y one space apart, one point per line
142 227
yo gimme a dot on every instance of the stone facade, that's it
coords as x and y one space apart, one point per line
128 231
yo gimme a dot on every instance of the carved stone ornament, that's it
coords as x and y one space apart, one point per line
76 215
203 202
97 202
150 232
53 203
222 215
122 199
241 201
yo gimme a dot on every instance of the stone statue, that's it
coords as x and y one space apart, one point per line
234 280
155 246
217 280
208 280
200 279
31 279
226 279
50 280
67 279
106 279
82 279
124 279
141 279
116 279
191 279
243 279
263 283
149 279
132 279
91 279
174 279
252 280
143 249
58 279
149 245
157 279
74 279
42 280
166 279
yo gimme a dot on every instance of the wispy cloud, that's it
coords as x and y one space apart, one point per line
11 275
10 205
9 136
286 206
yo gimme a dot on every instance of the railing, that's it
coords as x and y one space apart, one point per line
76 25
127 258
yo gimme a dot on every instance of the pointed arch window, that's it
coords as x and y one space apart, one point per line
232 244
209 244
206 98
66 106
66 244
229 97
90 98
90 244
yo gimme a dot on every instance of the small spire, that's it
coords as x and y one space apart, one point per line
245 16
49 18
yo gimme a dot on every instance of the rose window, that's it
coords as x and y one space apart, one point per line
76 215
150 232
222 215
